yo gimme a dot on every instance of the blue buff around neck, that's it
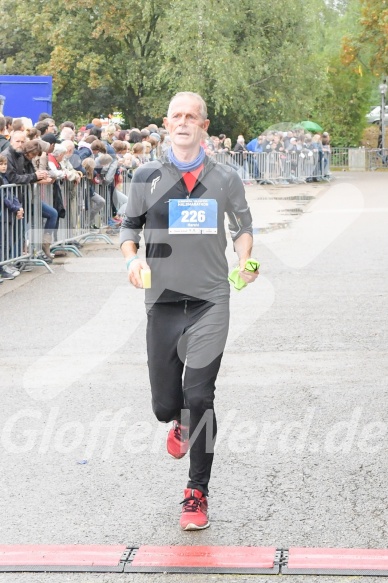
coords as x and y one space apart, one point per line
187 166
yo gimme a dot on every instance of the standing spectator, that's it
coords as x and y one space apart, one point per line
56 170
33 149
123 136
97 122
318 155
8 125
44 116
108 134
32 134
90 147
326 149
72 173
18 125
67 133
154 146
134 137
51 140
20 169
96 132
67 124
42 127
4 143
80 136
241 157
12 208
120 148
138 153
251 146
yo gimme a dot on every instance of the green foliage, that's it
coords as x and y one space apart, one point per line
343 107
368 42
256 63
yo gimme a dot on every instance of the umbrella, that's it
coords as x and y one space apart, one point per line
311 126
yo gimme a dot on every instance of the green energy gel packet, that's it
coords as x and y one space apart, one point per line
234 277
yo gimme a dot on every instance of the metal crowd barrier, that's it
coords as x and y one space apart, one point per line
21 239
81 221
13 243
377 159
339 158
278 167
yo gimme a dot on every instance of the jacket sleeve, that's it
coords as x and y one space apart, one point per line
15 178
110 173
13 205
42 162
237 209
84 153
54 172
71 174
135 213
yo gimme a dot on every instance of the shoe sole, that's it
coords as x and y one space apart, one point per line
192 526
177 457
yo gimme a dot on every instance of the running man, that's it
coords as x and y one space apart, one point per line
179 203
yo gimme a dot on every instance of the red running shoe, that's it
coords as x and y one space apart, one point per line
178 440
194 511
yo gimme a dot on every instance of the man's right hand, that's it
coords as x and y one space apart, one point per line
134 270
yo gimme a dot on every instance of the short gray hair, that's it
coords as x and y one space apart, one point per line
201 102
67 134
68 144
59 149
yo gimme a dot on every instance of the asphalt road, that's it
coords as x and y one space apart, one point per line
301 399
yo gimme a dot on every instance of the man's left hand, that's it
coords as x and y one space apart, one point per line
247 276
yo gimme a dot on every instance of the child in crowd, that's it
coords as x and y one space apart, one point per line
147 151
120 148
128 160
138 153
9 207
3 170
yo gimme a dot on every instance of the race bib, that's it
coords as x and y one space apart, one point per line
192 216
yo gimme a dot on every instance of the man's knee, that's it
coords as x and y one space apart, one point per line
163 413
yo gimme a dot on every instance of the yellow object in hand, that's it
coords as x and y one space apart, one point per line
234 276
145 275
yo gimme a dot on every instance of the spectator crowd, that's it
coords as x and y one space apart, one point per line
104 153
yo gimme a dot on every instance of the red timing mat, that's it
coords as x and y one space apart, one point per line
190 556
352 560
192 559
61 555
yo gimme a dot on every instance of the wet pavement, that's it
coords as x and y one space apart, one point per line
301 397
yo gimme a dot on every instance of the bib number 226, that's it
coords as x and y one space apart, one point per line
193 216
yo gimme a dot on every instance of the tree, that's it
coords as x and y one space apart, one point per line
99 53
256 62
368 46
342 107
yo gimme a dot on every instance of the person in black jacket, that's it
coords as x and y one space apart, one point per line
10 208
20 170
